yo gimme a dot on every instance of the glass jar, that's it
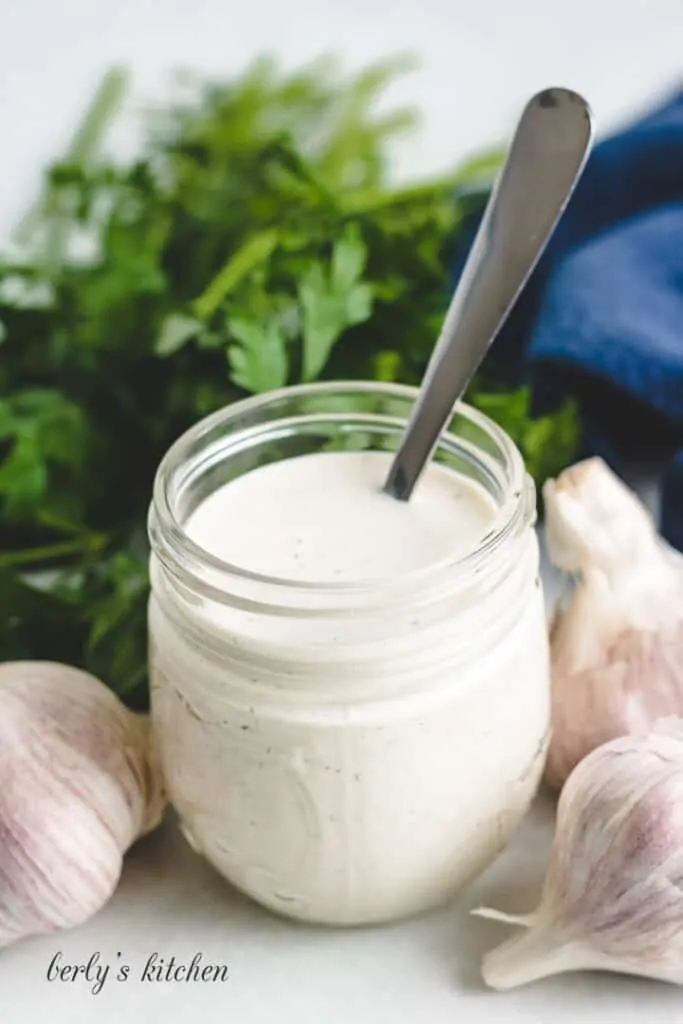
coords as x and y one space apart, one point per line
347 753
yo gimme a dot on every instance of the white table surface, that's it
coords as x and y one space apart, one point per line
423 971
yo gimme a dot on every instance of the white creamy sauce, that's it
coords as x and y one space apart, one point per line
357 767
324 518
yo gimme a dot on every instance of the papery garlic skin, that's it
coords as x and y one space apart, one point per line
612 896
617 643
79 783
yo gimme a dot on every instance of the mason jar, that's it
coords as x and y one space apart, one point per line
370 778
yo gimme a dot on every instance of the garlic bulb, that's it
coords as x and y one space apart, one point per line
617 645
613 893
79 784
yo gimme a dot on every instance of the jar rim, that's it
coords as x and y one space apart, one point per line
184 558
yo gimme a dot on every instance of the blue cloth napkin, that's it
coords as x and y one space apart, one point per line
602 320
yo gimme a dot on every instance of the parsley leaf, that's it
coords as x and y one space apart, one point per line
333 301
259 362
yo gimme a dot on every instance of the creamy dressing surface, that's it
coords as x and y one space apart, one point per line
324 518
358 768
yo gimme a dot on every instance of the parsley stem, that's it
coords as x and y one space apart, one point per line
48 552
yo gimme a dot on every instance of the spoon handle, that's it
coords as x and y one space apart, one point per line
545 159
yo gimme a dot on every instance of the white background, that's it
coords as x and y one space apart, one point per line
480 59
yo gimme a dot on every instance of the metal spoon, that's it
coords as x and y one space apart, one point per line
545 160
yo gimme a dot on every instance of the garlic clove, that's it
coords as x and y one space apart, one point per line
537 954
612 897
150 777
593 520
79 783
617 643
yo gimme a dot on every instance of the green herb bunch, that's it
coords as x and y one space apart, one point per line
255 242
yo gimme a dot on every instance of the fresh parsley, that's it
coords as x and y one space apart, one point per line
254 241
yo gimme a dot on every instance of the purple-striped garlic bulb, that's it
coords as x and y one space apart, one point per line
79 783
612 897
617 642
